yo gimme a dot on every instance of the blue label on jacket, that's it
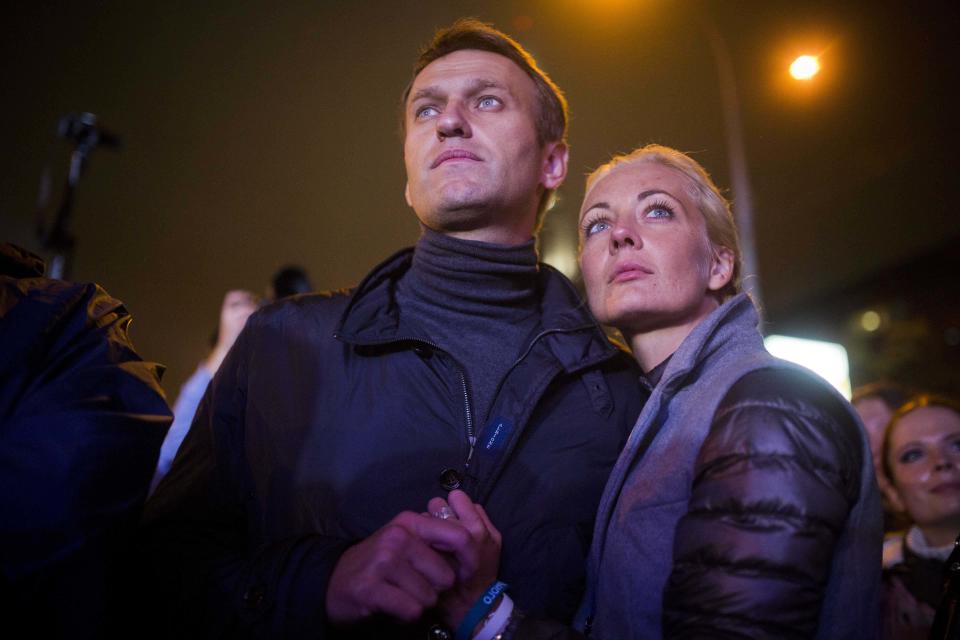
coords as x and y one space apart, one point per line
496 434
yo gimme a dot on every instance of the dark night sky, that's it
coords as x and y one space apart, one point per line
264 133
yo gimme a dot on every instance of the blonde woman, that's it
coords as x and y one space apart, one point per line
744 503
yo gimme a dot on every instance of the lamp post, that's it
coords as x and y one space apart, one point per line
803 68
737 159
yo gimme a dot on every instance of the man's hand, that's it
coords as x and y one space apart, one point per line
477 559
394 572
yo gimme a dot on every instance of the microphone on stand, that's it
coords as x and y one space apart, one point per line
82 130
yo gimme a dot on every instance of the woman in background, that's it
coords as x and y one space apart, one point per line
921 458
875 404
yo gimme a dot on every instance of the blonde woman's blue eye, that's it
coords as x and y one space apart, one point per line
659 212
596 227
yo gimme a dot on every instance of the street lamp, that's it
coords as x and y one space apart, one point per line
805 67
742 205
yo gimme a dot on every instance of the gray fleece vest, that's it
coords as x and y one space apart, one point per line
650 487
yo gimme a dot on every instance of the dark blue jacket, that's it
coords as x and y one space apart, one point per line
325 421
81 422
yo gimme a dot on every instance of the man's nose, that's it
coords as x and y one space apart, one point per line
452 123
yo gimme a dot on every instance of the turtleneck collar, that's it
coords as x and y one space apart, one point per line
473 277
918 544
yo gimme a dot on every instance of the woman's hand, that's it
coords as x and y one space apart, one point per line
475 562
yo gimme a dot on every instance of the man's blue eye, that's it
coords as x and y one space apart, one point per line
426 112
488 102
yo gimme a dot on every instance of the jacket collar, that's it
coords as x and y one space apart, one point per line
372 317
732 325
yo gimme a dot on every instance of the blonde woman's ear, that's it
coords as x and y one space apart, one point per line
721 269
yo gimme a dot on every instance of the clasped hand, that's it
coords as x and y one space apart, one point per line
417 562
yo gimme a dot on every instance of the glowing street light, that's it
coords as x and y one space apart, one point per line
805 67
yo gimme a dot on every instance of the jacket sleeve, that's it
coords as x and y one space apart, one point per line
81 418
209 575
773 484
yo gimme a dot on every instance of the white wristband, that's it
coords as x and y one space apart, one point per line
497 621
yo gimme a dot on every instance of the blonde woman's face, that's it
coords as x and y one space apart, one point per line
645 255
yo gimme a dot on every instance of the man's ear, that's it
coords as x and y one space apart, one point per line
554 169
406 194
721 268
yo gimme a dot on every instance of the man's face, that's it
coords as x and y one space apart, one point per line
475 168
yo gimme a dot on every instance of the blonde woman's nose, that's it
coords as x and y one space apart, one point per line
624 236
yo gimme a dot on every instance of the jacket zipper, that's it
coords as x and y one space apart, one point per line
467 410
525 353
471 432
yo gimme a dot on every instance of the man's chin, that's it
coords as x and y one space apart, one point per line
463 213
463 197
466 219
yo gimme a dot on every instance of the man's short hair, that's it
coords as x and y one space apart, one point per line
470 33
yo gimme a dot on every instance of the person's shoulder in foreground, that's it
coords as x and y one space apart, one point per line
82 418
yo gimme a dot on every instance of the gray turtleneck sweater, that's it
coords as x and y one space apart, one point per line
477 301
